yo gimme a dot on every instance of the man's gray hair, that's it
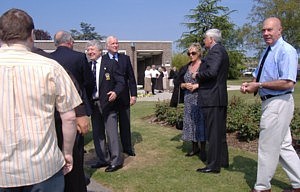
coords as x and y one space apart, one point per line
109 38
62 37
96 43
215 34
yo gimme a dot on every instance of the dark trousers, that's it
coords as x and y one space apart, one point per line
75 180
153 84
124 127
54 183
215 121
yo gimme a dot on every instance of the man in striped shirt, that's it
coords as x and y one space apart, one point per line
31 87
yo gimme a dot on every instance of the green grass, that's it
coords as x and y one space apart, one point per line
161 165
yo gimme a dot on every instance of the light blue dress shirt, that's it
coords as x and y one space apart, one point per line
281 63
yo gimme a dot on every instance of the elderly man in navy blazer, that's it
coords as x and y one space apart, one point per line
129 94
110 83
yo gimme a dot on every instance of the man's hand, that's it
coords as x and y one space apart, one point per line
111 96
83 124
250 87
132 100
69 163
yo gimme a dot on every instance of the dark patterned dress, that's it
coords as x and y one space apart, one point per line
193 119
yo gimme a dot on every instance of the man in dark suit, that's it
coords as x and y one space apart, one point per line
128 96
76 64
213 99
110 83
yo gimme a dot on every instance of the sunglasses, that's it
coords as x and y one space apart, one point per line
191 53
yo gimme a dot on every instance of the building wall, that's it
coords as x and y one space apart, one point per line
141 53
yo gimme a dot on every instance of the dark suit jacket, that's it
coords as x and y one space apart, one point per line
212 78
76 63
110 79
130 88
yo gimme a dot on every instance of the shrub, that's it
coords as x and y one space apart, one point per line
242 118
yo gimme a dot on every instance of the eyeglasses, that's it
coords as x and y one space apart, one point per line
191 53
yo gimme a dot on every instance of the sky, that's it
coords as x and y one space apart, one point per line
153 20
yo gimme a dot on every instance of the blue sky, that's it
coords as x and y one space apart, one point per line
157 20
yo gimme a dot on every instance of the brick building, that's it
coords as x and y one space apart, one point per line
141 53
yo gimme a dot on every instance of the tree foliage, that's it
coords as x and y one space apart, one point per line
42 35
207 15
287 10
87 32
179 59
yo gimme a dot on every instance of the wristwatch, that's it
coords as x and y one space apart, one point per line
260 85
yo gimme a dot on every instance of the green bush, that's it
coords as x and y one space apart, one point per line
242 118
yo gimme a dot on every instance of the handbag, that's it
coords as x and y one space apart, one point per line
179 121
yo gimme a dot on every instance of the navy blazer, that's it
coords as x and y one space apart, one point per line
76 63
130 87
110 79
212 78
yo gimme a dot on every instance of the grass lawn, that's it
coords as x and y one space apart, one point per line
161 165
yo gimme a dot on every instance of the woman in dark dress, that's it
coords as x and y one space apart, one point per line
193 119
159 81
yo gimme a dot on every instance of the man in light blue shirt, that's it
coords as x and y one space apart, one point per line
274 80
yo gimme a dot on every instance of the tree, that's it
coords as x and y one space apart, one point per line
42 35
286 10
207 15
87 33
179 59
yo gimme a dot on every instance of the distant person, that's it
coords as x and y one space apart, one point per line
159 81
75 63
154 75
128 96
165 79
213 98
147 80
172 75
274 80
33 86
109 85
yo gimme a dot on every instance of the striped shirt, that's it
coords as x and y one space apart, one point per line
31 87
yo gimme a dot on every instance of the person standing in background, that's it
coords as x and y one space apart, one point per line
75 63
32 85
275 80
159 81
110 84
213 98
147 80
172 75
154 75
165 79
128 96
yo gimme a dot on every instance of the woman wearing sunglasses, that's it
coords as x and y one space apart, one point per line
193 119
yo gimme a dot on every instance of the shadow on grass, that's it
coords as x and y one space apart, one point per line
248 166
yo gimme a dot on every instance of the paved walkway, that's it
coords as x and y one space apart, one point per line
167 95
97 187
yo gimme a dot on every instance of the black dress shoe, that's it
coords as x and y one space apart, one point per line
113 168
130 153
99 165
207 170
